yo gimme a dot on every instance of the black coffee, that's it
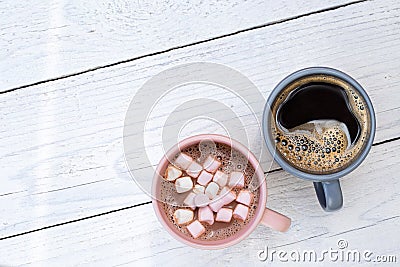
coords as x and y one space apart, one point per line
320 124
318 101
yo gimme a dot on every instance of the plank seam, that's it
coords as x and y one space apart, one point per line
144 203
386 141
76 220
366 226
185 46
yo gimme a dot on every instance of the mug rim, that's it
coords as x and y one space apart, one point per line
247 229
266 122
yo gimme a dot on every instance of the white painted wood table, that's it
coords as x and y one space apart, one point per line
69 69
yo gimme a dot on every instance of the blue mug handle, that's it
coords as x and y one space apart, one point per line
329 195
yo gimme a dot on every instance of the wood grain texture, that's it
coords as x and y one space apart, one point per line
368 221
41 40
61 142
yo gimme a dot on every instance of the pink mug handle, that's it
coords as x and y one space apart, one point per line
275 220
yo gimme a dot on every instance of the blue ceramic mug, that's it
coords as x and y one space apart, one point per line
326 185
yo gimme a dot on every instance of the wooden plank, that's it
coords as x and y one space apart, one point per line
61 142
46 39
135 237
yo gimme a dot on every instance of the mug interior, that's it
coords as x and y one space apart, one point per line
209 244
267 121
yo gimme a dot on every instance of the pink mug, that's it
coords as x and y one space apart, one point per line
262 215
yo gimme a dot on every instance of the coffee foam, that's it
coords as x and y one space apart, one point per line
317 128
320 146
232 160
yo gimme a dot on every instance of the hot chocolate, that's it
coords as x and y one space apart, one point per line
227 162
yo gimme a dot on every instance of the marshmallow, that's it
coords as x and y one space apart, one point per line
225 197
217 204
183 216
183 161
199 189
189 200
220 178
196 229
194 169
212 190
183 184
204 178
236 179
205 214
211 164
201 200
171 173
224 191
240 212
228 198
245 197
224 215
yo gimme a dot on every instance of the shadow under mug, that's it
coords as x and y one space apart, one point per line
262 215
327 186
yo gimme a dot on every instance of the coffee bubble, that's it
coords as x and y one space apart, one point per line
322 144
